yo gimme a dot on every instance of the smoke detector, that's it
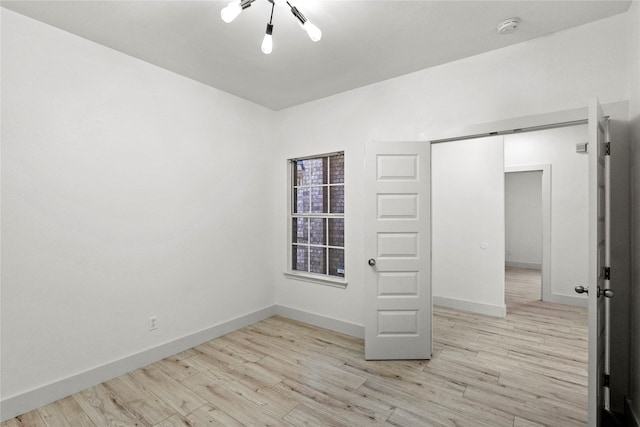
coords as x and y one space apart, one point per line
508 25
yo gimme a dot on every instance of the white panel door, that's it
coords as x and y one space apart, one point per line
397 250
598 257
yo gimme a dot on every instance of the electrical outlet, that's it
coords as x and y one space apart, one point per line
153 323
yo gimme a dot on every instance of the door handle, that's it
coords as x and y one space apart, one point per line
372 262
581 290
608 293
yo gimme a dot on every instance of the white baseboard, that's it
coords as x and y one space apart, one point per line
520 264
19 404
321 321
577 301
474 307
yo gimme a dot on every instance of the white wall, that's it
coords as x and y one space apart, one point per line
554 73
127 191
523 219
634 117
467 225
569 201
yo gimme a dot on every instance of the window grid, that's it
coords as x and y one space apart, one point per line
329 178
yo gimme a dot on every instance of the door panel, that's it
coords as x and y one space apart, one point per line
598 246
398 283
397 206
401 245
397 241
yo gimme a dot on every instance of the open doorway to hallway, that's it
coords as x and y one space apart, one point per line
523 236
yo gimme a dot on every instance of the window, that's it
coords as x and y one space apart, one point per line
317 216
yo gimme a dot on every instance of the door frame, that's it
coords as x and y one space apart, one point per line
526 123
545 168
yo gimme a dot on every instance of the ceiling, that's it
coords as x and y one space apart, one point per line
363 41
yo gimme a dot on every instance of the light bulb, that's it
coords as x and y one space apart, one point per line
267 42
231 12
314 32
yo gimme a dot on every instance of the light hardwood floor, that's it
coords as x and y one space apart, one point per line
528 369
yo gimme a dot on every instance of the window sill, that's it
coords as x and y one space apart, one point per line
322 280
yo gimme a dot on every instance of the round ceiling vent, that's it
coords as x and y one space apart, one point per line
508 25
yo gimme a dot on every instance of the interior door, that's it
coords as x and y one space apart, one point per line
397 249
598 258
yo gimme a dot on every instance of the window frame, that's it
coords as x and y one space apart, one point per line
324 279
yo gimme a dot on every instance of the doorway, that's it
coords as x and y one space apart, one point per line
524 235
468 178
552 153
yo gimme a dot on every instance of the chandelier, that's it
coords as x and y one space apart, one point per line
233 9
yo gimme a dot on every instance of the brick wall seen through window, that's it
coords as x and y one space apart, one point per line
317 217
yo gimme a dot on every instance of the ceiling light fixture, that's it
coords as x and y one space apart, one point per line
267 42
233 9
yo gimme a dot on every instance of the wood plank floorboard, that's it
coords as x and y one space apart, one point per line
527 369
